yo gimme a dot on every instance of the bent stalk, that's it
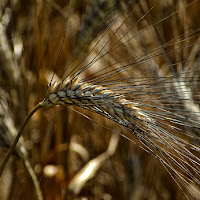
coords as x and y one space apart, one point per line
12 147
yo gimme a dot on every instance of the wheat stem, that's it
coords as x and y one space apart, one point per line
12 147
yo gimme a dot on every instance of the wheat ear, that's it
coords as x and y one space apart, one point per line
94 97
157 137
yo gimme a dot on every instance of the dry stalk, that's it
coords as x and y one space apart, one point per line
12 147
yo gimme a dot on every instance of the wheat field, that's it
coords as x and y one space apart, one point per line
119 86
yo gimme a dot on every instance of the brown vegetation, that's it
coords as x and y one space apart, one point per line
59 143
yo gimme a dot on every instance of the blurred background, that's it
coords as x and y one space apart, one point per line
59 143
